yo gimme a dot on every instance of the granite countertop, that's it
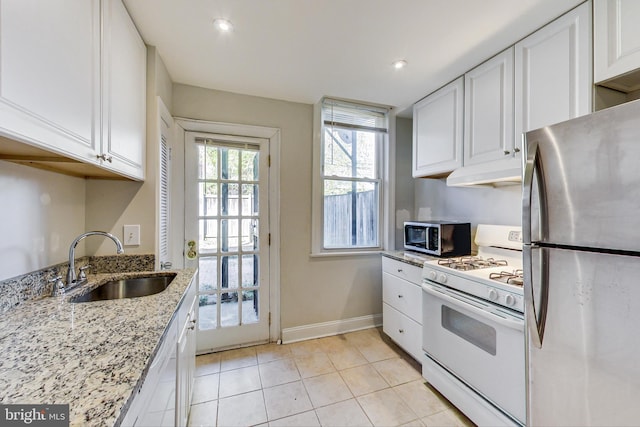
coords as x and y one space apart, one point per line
413 258
92 356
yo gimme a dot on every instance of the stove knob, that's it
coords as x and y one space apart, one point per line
493 294
510 300
432 275
442 278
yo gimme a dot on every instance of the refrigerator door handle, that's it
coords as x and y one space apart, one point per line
535 314
527 188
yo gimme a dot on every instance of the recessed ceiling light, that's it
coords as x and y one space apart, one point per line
223 25
401 63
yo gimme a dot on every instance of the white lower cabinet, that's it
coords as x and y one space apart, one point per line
402 305
186 365
165 395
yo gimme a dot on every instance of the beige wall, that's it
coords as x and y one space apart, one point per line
42 212
404 180
313 290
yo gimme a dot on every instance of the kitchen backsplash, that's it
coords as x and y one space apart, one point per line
35 284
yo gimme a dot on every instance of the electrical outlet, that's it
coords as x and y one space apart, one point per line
131 235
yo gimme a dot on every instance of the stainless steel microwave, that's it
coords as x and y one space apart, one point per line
438 238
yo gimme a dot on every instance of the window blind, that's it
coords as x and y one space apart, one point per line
354 116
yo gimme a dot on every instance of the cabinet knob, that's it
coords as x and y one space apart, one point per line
401 331
399 295
400 270
516 150
507 152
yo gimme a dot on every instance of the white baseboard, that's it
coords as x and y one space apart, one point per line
335 327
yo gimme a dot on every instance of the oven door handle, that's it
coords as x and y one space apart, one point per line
452 299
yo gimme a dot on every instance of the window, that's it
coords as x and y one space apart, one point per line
349 188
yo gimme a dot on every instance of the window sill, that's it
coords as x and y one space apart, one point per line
345 253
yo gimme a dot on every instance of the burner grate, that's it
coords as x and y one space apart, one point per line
472 263
515 277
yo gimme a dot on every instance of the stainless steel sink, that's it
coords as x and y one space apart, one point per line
127 288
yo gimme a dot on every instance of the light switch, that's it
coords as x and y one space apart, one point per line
131 235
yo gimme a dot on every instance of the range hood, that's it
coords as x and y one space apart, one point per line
494 173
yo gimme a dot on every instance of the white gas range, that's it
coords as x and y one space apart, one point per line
473 328
495 274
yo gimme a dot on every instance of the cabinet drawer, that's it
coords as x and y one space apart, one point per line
403 296
403 270
404 331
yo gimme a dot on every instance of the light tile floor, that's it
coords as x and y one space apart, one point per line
356 379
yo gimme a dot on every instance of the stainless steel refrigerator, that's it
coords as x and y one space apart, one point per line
581 233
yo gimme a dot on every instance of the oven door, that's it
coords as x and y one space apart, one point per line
480 343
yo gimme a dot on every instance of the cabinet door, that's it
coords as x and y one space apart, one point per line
616 41
186 358
404 331
50 74
437 131
553 72
124 103
488 112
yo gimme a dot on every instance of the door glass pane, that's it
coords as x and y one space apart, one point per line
207 162
207 315
249 234
249 199
229 163
229 270
208 240
249 270
208 198
250 165
250 307
229 197
208 273
229 235
229 314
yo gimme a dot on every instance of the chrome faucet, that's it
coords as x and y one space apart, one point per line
71 274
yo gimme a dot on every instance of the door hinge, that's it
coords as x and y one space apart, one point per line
269 160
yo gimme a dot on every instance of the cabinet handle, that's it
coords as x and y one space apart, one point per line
105 157
401 331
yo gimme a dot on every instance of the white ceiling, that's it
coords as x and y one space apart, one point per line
301 50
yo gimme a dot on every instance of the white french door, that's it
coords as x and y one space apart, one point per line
227 236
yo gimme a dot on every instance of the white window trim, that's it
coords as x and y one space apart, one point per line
387 190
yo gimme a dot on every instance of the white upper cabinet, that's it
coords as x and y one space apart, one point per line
72 86
553 78
50 74
488 112
616 43
124 103
437 131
